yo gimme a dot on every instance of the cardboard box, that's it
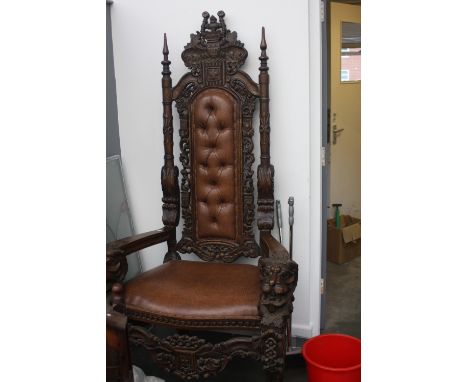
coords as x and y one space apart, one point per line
344 244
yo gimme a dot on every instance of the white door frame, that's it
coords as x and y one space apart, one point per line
315 134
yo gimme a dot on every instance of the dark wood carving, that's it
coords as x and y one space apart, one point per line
191 357
179 323
116 251
265 171
279 280
116 265
118 363
169 172
214 56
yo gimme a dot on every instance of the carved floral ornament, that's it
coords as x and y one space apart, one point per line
210 45
191 357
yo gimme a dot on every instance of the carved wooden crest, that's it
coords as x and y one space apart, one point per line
214 56
214 51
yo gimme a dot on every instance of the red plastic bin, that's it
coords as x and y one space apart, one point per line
333 358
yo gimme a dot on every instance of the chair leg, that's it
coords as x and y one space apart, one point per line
118 363
274 353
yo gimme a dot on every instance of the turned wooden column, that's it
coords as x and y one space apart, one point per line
265 171
169 172
118 360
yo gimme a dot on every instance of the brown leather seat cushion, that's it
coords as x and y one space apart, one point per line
197 290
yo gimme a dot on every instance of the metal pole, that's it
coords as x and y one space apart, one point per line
291 223
279 220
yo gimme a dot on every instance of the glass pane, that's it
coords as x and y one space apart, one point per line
350 52
118 218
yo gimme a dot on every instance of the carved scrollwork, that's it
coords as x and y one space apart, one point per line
248 99
170 187
248 192
186 175
191 357
217 251
186 94
265 186
182 106
116 265
273 351
265 177
185 158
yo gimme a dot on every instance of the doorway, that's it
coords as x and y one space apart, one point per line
341 261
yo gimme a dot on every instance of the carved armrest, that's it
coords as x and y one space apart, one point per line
116 251
279 279
272 248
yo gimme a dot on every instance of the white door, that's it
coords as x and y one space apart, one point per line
345 110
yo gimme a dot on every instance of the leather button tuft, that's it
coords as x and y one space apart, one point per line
215 159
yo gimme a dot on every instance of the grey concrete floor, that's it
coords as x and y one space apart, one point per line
343 298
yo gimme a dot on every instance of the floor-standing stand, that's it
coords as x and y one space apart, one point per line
291 223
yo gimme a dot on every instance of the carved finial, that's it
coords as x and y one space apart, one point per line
263 44
165 62
221 15
205 16
263 56
165 48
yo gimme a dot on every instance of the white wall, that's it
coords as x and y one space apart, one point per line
294 50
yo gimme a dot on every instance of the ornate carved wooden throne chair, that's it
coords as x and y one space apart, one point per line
215 101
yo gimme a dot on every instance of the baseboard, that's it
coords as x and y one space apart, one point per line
304 331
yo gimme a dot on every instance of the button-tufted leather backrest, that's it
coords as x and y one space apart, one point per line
216 166
216 100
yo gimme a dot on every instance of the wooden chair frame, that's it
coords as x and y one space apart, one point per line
191 357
